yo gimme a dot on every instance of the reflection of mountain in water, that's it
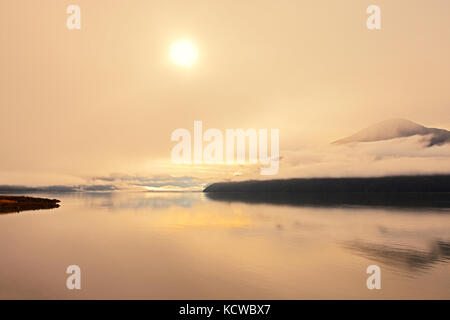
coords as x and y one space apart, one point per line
404 258
333 199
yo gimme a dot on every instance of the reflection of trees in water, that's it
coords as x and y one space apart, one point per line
404 258
335 199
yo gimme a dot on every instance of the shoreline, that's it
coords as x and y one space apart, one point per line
15 204
388 184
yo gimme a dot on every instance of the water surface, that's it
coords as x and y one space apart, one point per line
189 246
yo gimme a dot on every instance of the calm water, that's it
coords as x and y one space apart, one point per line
187 246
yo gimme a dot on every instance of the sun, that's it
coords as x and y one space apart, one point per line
183 53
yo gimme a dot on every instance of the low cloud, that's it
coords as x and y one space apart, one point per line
410 155
400 156
161 182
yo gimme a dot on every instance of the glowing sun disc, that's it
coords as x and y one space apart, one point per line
183 53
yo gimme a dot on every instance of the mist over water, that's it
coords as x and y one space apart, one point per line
190 246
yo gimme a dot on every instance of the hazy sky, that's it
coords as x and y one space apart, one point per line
103 100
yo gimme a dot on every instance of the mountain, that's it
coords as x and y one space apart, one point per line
397 128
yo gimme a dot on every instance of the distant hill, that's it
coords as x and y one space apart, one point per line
55 189
397 128
429 183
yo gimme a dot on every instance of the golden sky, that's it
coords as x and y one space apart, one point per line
103 100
